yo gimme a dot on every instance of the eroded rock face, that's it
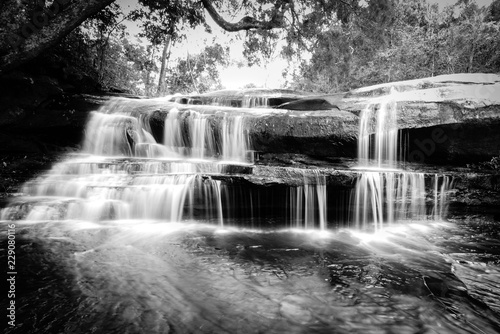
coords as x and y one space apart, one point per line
445 119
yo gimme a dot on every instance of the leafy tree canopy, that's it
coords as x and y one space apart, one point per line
350 43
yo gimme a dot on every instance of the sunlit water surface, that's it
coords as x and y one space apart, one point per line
136 276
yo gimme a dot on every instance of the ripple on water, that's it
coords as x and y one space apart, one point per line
147 276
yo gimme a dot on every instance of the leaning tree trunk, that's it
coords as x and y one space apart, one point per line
24 40
163 70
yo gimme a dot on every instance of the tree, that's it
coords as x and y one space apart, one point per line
412 39
493 13
101 27
163 70
32 29
198 73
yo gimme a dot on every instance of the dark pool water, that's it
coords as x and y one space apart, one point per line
156 277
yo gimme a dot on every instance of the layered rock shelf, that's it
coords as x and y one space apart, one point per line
445 119
449 118
452 119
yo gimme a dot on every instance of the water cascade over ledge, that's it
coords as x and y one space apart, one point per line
167 221
125 173
384 193
126 170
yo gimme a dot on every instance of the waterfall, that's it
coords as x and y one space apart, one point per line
234 139
386 197
202 137
307 202
381 119
205 140
442 184
385 194
110 134
124 173
172 137
255 102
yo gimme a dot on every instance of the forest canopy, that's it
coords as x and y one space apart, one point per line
331 46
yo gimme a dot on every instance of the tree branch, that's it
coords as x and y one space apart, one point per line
248 22
45 30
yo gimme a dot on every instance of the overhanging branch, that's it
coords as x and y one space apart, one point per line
46 29
248 22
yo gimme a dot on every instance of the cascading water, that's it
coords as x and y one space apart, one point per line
379 117
384 193
123 173
94 253
173 138
234 140
307 202
255 102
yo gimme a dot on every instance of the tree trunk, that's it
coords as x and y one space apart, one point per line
471 59
193 80
45 29
163 70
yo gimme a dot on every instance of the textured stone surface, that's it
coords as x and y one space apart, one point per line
445 119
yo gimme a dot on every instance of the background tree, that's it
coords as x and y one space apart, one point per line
338 45
399 40
198 73
31 27
159 18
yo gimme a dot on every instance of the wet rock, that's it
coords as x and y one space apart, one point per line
292 308
245 98
476 189
446 119
308 104
466 88
312 133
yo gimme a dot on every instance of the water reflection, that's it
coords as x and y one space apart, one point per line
136 276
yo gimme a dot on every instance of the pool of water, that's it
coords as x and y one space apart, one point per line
137 276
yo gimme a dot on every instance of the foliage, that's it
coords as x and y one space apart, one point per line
167 18
399 40
100 51
495 163
336 45
198 73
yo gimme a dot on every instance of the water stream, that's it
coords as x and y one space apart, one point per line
384 193
139 235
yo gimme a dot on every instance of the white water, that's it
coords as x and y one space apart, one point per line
255 102
207 137
123 173
127 174
307 203
385 194
379 117
234 140
173 138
